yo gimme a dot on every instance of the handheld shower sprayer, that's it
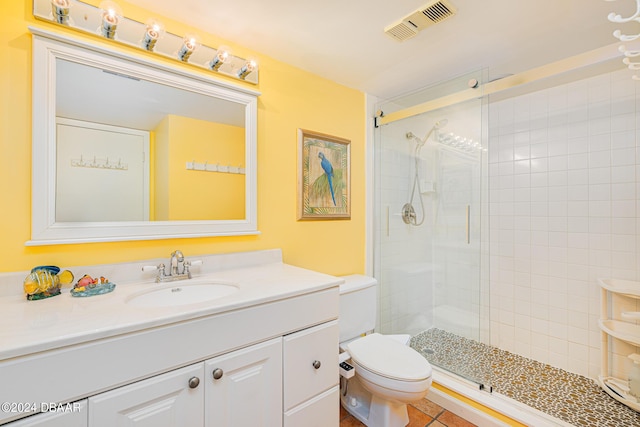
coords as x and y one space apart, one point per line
436 127
408 212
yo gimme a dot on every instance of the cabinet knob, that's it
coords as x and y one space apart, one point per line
316 364
217 373
194 382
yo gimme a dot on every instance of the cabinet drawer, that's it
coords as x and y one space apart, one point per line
310 363
321 411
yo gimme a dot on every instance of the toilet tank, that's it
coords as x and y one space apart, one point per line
358 306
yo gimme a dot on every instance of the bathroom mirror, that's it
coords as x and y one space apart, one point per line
129 149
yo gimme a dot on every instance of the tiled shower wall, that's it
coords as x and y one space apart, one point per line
564 174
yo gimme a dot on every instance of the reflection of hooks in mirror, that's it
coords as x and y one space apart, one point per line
99 164
206 167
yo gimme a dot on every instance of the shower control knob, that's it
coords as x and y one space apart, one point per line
217 373
316 364
194 382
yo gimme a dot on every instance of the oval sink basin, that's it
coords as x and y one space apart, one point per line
181 293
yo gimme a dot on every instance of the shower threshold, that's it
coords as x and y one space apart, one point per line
570 398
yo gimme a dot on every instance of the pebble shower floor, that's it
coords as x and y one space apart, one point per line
569 397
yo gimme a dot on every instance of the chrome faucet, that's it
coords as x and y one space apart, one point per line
179 269
177 260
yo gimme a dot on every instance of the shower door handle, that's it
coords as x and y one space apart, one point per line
468 215
387 225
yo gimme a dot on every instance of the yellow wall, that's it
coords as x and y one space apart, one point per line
290 99
218 195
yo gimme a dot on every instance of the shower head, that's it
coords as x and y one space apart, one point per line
437 126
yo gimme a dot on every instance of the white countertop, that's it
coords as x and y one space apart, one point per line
27 327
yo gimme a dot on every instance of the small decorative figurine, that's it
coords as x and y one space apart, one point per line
87 286
44 281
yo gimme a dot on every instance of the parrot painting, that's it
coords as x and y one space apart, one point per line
328 170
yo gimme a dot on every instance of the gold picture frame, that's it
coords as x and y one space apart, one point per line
324 171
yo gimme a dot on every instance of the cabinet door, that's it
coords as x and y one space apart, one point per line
73 415
173 399
311 363
244 388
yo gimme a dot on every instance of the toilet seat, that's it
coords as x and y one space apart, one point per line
389 358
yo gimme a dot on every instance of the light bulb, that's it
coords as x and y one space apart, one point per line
250 66
190 43
60 11
223 54
111 14
153 31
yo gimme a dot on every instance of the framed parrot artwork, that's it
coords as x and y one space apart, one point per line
324 190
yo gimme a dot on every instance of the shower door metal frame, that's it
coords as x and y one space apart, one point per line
595 61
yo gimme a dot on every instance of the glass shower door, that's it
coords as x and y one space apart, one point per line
430 193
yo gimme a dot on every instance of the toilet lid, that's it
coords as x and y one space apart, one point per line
389 358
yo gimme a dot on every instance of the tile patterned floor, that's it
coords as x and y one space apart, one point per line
421 414
572 398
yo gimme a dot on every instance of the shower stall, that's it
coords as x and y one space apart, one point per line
430 229
546 161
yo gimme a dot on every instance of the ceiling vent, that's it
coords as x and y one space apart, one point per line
409 26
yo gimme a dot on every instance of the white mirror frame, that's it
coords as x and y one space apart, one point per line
47 47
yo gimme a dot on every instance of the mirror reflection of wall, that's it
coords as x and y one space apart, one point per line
181 126
179 140
92 156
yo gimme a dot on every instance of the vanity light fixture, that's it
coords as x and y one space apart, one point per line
60 11
153 31
189 44
108 21
111 15
223 54
248 67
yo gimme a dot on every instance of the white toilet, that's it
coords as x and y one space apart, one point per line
388 373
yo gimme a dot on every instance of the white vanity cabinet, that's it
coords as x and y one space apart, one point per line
266 355
241 388
271 365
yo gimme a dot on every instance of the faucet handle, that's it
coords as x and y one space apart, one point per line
188 264
159 268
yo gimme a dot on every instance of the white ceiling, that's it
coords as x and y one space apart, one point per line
112 98
344 40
